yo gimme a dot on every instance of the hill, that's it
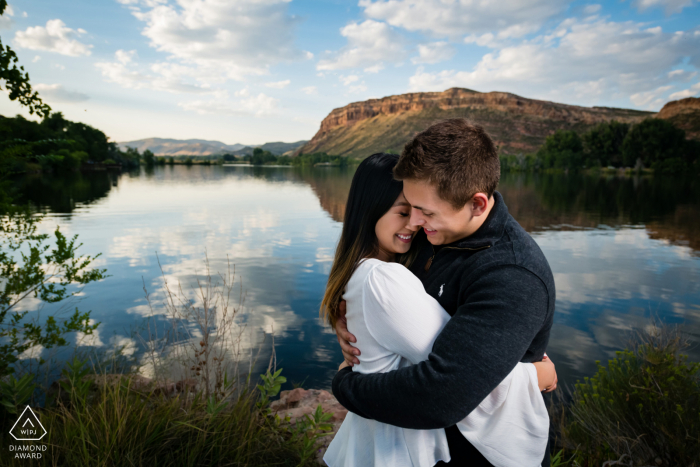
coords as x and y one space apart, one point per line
201 147
177 147
685 114
276 148
516 124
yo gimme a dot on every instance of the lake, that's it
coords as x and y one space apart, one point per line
623 251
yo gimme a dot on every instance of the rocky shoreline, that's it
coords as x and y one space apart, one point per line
300 402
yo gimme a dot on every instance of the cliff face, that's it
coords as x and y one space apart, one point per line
685 114
516 124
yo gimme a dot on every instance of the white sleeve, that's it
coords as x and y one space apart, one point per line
513 411
399 313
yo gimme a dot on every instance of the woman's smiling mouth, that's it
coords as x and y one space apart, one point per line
405 238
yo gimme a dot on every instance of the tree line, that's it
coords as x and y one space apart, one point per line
56 144
652 144
262 157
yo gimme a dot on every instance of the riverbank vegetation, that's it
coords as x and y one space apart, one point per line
643 408
261 157
651 145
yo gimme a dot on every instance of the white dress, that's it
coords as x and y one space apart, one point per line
396 322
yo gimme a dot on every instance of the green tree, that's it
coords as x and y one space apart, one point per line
16 80
29 268
562 150
148 158
603 144
659 145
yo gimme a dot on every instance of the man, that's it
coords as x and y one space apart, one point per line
483 268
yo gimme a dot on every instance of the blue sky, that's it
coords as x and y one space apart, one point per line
253 71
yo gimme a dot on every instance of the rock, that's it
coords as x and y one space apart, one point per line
516 124
685 114
300 402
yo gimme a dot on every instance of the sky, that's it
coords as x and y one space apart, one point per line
255 71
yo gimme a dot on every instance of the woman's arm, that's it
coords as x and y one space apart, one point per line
546 374
399 314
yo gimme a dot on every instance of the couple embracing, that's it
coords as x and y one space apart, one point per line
448 304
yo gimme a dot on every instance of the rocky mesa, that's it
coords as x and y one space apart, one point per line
517 124
685 114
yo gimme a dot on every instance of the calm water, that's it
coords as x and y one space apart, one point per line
622 250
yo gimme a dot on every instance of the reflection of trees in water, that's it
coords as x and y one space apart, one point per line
61 193
331 185
669 207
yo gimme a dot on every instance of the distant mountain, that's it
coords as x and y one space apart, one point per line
516 124
201 147
277 148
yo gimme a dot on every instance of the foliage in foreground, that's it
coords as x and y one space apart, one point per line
124 425
643 409
29 267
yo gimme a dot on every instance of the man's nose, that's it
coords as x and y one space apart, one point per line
416 220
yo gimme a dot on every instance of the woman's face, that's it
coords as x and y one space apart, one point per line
392 230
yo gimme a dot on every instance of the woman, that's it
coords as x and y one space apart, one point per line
396 322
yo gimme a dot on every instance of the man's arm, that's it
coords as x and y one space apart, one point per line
476 350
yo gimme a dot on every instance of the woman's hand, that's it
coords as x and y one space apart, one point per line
344 338
546 374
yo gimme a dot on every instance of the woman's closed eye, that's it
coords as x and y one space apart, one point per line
403 214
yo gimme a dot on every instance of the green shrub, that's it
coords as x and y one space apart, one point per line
643 409
654 141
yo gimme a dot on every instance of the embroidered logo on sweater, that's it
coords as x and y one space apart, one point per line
440 292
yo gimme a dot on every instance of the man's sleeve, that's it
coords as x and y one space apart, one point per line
488 335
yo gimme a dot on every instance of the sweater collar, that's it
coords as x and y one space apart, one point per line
490 231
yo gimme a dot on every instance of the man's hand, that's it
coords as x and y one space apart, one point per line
344 338
343 365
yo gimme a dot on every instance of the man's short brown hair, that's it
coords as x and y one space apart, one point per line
458 158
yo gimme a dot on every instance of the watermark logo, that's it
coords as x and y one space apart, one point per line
28 427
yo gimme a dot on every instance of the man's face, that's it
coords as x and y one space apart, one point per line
442 223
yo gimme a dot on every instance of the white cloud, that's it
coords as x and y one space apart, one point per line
694 90
347 80
221 38
441 18
309 90
590 59
434 52
592 9
650 99
370 44
36 59
258 106
161 76
57 93
357 89
669 6
278 84
55 37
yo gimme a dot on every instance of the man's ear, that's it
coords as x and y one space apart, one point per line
480 203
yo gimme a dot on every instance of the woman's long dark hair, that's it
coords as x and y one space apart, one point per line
372 193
